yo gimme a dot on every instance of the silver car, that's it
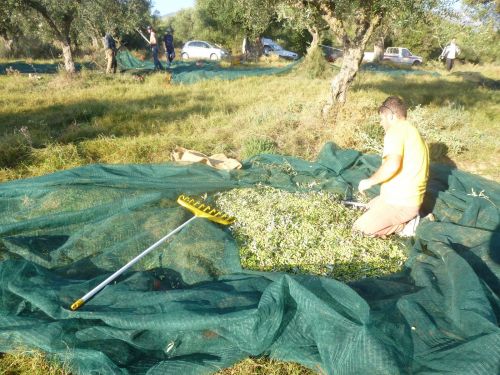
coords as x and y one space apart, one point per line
198 49
270 47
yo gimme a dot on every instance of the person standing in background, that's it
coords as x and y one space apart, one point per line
450 52
169 46
153 42
110 48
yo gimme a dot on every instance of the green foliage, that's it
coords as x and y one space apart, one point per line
258 145
315 65
14 149
28 25
97 17
307 232
442 127
477 35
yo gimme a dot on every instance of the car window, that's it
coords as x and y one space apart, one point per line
204 45
406 53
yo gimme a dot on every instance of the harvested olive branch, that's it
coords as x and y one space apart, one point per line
306 233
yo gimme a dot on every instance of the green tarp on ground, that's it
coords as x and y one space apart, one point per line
396 71
192 71
39 67
189 308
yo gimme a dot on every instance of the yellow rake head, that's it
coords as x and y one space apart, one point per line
200 209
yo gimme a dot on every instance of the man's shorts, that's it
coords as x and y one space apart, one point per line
384 218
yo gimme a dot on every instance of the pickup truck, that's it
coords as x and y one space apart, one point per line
400 55
397 55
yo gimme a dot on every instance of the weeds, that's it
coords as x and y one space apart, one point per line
30 362
258 145
116 119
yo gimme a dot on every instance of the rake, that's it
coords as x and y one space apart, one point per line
199 209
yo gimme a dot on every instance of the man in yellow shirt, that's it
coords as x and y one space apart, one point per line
402 175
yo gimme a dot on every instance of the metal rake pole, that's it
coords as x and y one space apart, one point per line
199 209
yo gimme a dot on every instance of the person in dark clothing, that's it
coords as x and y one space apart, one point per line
169 46
110 47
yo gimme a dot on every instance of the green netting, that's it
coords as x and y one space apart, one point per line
38 67
191 72
396 71
189 308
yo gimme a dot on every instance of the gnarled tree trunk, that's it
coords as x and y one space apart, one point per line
379 49
354 48
7 43
315 39
348 70
69 64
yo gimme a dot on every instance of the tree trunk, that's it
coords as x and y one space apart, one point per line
341 82
95 43
7 43
315 39
69 65
379 49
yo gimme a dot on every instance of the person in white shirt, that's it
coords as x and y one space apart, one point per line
450 52
153 42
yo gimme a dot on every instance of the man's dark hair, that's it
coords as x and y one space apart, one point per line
394 105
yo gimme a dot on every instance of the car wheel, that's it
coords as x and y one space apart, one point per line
266 50
185 56
416 63
213 56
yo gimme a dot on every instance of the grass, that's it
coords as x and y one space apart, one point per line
30 362
59 122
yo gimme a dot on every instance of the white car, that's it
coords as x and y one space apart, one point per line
198 49
270 47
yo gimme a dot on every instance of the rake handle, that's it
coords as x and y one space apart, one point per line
78 303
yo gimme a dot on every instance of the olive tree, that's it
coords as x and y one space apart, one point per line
354 21
303 18
58 17
64 21
97 17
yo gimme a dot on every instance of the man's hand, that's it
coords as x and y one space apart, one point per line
365 185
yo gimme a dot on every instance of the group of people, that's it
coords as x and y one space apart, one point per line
404 170
168 40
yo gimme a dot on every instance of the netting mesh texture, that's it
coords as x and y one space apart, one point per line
189 308
194 71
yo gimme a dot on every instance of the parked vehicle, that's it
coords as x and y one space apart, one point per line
368 56
397 55
401 55
198 49
331 53
269 47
